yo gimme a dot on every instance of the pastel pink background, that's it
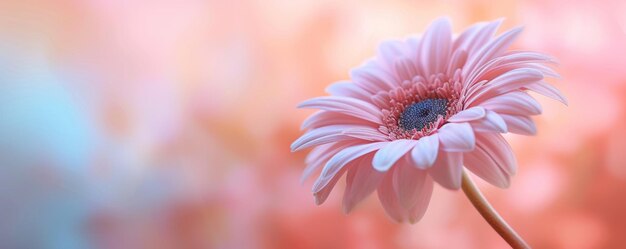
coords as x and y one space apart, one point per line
167 124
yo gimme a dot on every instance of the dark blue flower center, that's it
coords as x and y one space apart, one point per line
420 114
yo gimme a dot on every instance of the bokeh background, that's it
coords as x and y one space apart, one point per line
167 124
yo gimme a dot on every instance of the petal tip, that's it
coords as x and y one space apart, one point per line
443 20
302 104
318 202
380 166
505 185
347 208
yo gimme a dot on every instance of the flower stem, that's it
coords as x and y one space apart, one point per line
491 216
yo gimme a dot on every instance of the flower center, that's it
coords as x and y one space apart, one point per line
420 114
417 108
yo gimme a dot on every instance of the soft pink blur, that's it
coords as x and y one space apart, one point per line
188 110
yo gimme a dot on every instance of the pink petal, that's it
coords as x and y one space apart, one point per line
548 90
447 169
425 151
394 150
405 69
492 122
507 82
523 125
456 137
435 47
526 56
491 50
348 89
372 74
319 152
413 51
470 114
350 106
465 39
320 155
472 90
389 199
325 118
390 50
417 212
509 62
322 194
361 181
381 100
339 160
546 70
477 36
481 164
491 73
458 61
365 133
516 103
498 149
408 182
322 135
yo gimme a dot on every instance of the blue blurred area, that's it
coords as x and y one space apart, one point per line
45 147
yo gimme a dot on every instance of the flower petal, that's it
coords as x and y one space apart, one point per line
523 125
325 118
322 194
504 83
491 50
361 181
350 106
408 182
373 76
435 46
526 56
546 70
457 61
456 137
484 166
425 151
548 90
320 155
476 36
390 50
492 122
348 89
319 136
405 69
339 160
447 169
510 61
394 150
417 212
315 158
499 150
516 103
389 199
365 133
470 114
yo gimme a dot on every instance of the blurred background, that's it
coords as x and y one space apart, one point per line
167 124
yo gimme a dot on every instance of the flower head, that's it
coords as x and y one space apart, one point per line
420 111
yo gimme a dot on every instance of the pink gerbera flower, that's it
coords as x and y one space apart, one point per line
419 112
